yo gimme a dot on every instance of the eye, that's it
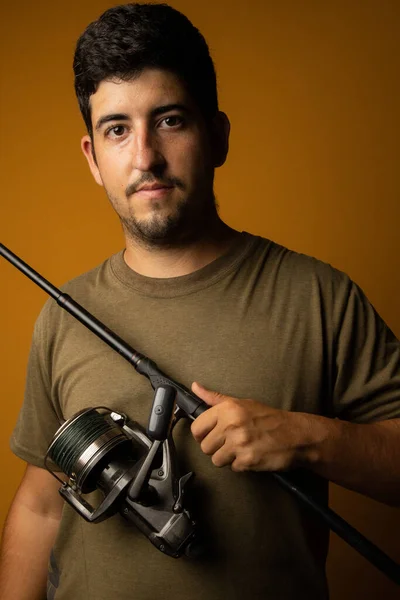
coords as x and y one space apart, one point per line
172 121
115 131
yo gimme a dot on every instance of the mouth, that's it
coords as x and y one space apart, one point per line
154 191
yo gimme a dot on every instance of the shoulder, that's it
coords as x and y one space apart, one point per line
297 270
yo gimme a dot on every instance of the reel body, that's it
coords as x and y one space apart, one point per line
137 476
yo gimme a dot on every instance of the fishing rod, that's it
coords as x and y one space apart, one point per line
138 480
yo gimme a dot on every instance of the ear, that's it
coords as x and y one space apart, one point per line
220 140
88 151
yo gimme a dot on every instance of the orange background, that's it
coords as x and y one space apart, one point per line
312 90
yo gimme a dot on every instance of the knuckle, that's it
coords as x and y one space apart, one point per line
242 437
236 413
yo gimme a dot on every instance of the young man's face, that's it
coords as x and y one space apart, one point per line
155 157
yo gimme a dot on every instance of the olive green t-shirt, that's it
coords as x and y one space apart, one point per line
260 322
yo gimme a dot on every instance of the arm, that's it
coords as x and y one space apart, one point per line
249 435
29 534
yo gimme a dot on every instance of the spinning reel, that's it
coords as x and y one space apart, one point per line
136 472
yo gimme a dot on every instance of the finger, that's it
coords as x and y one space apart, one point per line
224 456
238 466
213 441
204 424
210 397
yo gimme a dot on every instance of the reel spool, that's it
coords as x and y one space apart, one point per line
84 445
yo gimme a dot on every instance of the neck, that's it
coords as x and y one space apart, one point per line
177 261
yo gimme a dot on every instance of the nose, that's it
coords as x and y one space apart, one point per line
147 153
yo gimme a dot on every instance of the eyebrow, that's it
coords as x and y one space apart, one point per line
111 117
154 113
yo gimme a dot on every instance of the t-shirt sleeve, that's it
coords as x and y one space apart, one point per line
367 362
38 419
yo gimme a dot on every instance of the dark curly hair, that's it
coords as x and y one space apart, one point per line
127 39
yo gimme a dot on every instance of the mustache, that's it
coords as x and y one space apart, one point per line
150 178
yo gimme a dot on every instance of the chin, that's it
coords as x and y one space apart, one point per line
156 231
170 225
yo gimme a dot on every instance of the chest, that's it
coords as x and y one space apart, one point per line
269 354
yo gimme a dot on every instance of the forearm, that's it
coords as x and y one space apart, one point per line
27 540
361 457
29 535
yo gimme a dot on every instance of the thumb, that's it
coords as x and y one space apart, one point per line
210 397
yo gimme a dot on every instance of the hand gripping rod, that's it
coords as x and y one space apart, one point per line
193 406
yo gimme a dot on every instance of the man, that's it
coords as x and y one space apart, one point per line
287 343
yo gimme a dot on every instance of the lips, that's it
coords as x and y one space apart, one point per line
154 186
154 191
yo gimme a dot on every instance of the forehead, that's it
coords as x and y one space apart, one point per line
140 95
